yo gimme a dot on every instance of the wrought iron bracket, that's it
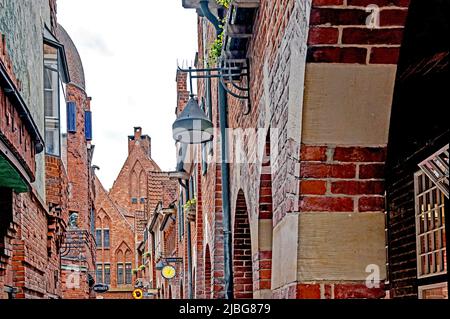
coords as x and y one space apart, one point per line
227 74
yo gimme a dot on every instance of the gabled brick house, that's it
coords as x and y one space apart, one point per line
122 214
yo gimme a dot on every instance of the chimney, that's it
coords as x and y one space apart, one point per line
182 91
143 141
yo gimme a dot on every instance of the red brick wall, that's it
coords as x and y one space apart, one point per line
33 263
342 179
12 128
122 238
339 33
81 195
242 251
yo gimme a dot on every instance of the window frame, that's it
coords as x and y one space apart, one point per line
99 271
56 101
62 70
128 272
104 230
120 277
105 267
429 233
97 231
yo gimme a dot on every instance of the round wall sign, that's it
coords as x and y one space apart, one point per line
168 272
138 294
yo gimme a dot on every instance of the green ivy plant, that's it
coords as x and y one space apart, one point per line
224 3
134 271
190 204
141 267
216 49
146 254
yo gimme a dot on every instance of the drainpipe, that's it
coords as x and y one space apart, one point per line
225 168
189 247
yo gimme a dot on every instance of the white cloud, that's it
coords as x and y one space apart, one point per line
129 51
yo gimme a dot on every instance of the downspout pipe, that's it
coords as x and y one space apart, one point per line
225 167
189 247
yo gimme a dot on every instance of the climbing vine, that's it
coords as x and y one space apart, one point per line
224 3
216 49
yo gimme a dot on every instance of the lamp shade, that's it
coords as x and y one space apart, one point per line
192 126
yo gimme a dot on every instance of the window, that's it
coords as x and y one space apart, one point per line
56 72
93 230
102 239
430 227
98 238
436 167
142 200
105 238
181 216
51 101
134 200
128 273
120 274
99 273
107 274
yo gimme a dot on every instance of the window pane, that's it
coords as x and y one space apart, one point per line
51 108
98 238
92 217
99 274
128 275
106 238
107 274
120 274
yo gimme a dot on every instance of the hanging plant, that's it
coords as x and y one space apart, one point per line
134 271
224 3
146 254
190 208
141 267
190 204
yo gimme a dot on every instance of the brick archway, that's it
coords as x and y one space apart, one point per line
242 247
207 273
263 257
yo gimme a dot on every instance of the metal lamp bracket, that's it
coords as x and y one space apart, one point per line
227 74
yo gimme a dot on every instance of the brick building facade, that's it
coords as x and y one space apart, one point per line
42 181
122 214
322 79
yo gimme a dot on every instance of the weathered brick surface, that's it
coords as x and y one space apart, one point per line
122 241
302 178
349 179
126 209
81 195
13 130
33 233
356 31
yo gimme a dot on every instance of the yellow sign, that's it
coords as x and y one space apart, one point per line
138 294
168 272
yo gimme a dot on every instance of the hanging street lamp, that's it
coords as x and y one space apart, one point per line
192 126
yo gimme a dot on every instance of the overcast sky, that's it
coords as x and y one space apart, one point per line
129 51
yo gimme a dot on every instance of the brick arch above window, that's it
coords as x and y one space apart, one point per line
123 248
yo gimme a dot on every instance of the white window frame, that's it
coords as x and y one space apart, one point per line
426 232
52 123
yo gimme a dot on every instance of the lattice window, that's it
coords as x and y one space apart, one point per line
436 167
430 227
